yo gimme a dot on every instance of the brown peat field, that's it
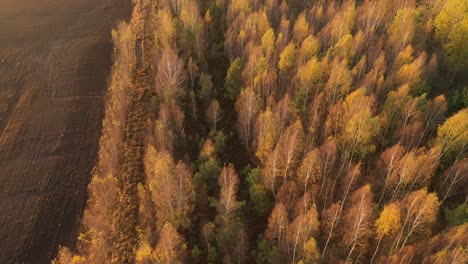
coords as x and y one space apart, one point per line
55 56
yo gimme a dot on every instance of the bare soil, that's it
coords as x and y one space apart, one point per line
55 56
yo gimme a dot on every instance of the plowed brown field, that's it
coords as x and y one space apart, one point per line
55 56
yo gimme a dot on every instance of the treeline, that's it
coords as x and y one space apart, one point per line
353 121
103 189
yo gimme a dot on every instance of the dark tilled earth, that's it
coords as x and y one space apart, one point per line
55 56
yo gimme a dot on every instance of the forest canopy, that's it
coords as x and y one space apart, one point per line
283 131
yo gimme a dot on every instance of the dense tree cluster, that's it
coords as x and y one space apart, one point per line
285 131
